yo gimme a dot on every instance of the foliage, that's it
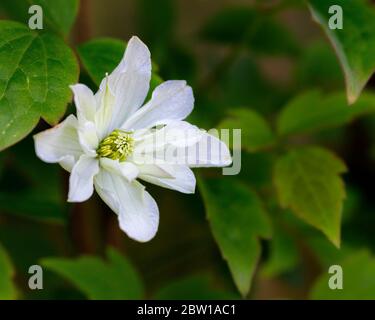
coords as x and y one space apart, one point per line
59 15
307 180
34 80
236 226
114 279
304 193
358 285
356 60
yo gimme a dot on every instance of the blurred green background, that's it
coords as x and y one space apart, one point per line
247 61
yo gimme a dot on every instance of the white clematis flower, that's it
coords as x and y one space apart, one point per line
99 147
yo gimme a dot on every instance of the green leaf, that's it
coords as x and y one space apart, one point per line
237 219
308 181
246 26
354 44
58 15
312 111
7 288
198 287
113 279
358 280
102 55
34 80
256 133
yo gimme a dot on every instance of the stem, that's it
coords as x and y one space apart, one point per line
82 28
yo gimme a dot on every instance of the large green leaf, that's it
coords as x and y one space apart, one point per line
354 44
58 15
97 279
237 219
246 26
256 133
102 55
358 280
308 181
7 288
36 71
312 111
197 287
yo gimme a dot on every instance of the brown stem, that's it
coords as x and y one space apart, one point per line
82 28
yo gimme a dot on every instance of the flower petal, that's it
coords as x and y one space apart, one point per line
86 109
137 211
209 152
154 170
172 100
85 102
125 169
182 180
105 100
201 150
59 144
82 178
129 82
88 137
176 134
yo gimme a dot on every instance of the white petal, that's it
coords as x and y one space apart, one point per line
176 133
88 137
82 178
125 169
154 170
86 109
172 100
129 82
209 152
105 100
137 211
68 163
183 178
85 102
181 143
60 143
137 58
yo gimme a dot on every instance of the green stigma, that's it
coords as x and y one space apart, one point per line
117 146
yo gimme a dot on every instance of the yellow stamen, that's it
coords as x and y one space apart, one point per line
117 146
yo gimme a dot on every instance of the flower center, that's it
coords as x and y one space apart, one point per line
117 146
